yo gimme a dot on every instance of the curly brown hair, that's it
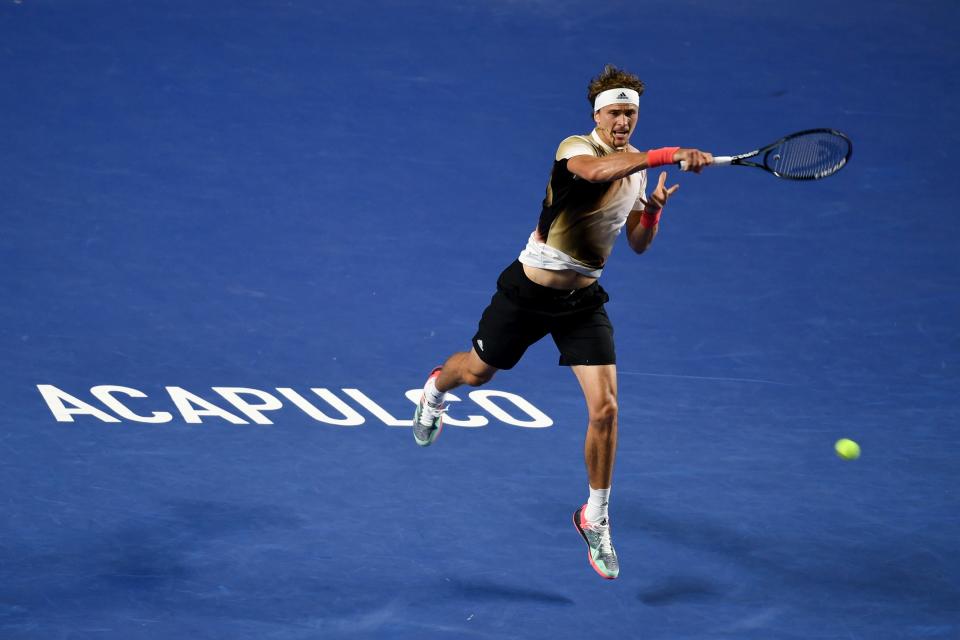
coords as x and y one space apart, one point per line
612 78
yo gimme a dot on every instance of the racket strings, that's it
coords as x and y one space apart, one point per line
812 155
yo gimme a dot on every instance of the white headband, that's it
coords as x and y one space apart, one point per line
616 96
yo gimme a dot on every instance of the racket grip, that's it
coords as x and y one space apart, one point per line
717 160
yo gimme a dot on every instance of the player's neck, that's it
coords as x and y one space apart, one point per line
598 134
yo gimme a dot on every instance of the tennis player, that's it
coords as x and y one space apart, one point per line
597 187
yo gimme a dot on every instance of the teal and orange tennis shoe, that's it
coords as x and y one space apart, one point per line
600 550
428 418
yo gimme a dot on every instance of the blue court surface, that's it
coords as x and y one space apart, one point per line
235 235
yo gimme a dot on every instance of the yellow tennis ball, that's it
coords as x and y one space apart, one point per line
847 449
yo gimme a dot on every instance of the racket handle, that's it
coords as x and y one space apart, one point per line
717 160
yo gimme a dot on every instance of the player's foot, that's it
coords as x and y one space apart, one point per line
600 551
428 418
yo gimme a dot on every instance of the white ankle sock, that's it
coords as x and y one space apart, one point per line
597 504
434 396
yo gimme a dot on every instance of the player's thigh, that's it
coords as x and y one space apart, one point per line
584 338
599 385
505 331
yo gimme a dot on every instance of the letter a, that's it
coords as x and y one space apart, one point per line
56 400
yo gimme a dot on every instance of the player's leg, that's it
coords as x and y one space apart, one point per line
505 331
585 340
599 385
462 368
586 345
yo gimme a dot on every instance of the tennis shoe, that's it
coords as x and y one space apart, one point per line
428 418
600 550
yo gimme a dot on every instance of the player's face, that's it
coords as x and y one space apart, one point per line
615 123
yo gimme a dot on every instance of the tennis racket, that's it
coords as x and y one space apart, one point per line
805 155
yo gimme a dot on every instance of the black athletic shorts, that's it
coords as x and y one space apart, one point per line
521 312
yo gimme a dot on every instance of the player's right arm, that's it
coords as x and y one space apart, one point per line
619 165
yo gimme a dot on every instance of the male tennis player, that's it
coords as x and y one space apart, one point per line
597 186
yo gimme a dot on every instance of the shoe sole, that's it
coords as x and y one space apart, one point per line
433 436
576 523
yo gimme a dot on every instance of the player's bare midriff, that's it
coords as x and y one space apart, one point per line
566 279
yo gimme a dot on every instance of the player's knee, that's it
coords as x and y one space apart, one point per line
603 415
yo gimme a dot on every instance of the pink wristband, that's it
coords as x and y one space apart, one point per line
650 218
661 156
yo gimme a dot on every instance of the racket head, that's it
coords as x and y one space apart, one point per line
808 155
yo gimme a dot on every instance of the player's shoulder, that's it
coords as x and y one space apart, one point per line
578 146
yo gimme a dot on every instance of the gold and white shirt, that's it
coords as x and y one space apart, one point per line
580 220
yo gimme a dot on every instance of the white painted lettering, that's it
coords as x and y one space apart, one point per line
413 395
350 417
104 393
187 402
253 404
252 411
538 419
378 412
56 400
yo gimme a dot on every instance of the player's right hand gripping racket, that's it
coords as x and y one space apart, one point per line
805 155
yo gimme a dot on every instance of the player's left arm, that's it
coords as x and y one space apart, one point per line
643 223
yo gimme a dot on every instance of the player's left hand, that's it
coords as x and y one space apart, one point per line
662 193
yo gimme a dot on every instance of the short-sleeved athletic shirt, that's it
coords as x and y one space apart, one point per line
580 220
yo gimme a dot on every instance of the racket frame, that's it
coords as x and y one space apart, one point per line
742 158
